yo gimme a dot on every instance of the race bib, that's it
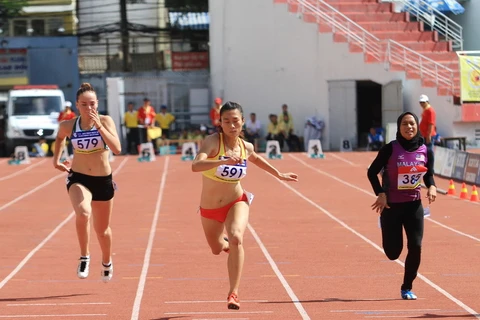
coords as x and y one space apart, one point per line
410 177
87 142
231 172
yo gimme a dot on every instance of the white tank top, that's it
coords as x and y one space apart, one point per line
86 141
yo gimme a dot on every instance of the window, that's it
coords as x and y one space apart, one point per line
36 26
135 1
37 106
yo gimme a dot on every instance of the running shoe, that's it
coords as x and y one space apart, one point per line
83 267
233 302
408 295
107 272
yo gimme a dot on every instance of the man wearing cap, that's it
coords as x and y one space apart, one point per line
66 114
428 122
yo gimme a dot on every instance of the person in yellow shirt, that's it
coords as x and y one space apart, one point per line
131 122
285 129
165 120
273 130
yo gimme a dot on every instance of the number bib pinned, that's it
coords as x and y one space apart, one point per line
231 172
410 177
87 141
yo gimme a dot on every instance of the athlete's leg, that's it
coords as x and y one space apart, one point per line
414 224
81 199
102 212
236 223
213 230
392 236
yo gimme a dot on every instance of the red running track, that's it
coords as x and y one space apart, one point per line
313 249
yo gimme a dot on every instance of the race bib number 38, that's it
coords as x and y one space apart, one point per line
410 177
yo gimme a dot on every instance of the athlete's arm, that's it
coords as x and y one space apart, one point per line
377 165
209 146
109 134
428 177
265 165
64 128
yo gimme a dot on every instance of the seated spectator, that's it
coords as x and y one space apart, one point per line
286 129
273 130
252 130
375 140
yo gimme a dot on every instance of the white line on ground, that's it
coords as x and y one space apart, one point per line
372 195
373 244
211 301
211 312
55 304
52 315
280 276
44 241
148 251
19 172
26 194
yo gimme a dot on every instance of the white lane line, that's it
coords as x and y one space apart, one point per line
52 315
55 304
211 301
372 195
219 312
19 172
148 251
44 241
279 275
373 244
26 194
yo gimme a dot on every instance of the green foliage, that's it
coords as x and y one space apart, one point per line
11 8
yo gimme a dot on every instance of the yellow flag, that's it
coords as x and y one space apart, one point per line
470 78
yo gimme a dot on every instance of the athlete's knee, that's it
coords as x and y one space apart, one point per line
236 239
103 232
392 253
83 216
414 248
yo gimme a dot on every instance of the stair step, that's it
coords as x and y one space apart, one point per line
360 17
373 26
347 7
396 36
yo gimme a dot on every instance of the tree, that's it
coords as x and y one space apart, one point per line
10 9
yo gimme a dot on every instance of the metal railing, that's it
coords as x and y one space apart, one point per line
393 54
439 22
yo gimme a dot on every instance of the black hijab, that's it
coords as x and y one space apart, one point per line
414 143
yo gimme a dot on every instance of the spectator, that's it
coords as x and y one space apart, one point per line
428 122
165 120
215 113
252 130
130 119
146 117
286 130
273 130
375 140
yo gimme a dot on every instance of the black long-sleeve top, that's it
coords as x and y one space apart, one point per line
381 161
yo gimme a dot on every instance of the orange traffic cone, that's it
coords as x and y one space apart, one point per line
451 188
474 196
464 192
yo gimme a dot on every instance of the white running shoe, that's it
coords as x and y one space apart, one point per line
83 267
107 273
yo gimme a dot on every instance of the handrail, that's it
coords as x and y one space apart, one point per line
388 51
440 22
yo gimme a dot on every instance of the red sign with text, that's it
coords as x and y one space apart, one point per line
183 61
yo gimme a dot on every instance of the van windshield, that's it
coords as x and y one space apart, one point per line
36 106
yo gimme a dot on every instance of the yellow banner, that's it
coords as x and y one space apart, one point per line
470 78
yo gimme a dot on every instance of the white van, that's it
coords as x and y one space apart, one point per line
32 112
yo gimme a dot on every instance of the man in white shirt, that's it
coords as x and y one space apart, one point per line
252 130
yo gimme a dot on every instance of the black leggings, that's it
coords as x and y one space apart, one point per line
410 216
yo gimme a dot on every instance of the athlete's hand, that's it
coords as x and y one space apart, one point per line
63 166
93 114
380 203
431 194
233 160
289 176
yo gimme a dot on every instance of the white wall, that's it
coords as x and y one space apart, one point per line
470 23
263 56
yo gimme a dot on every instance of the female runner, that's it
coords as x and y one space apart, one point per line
89 183
222 159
